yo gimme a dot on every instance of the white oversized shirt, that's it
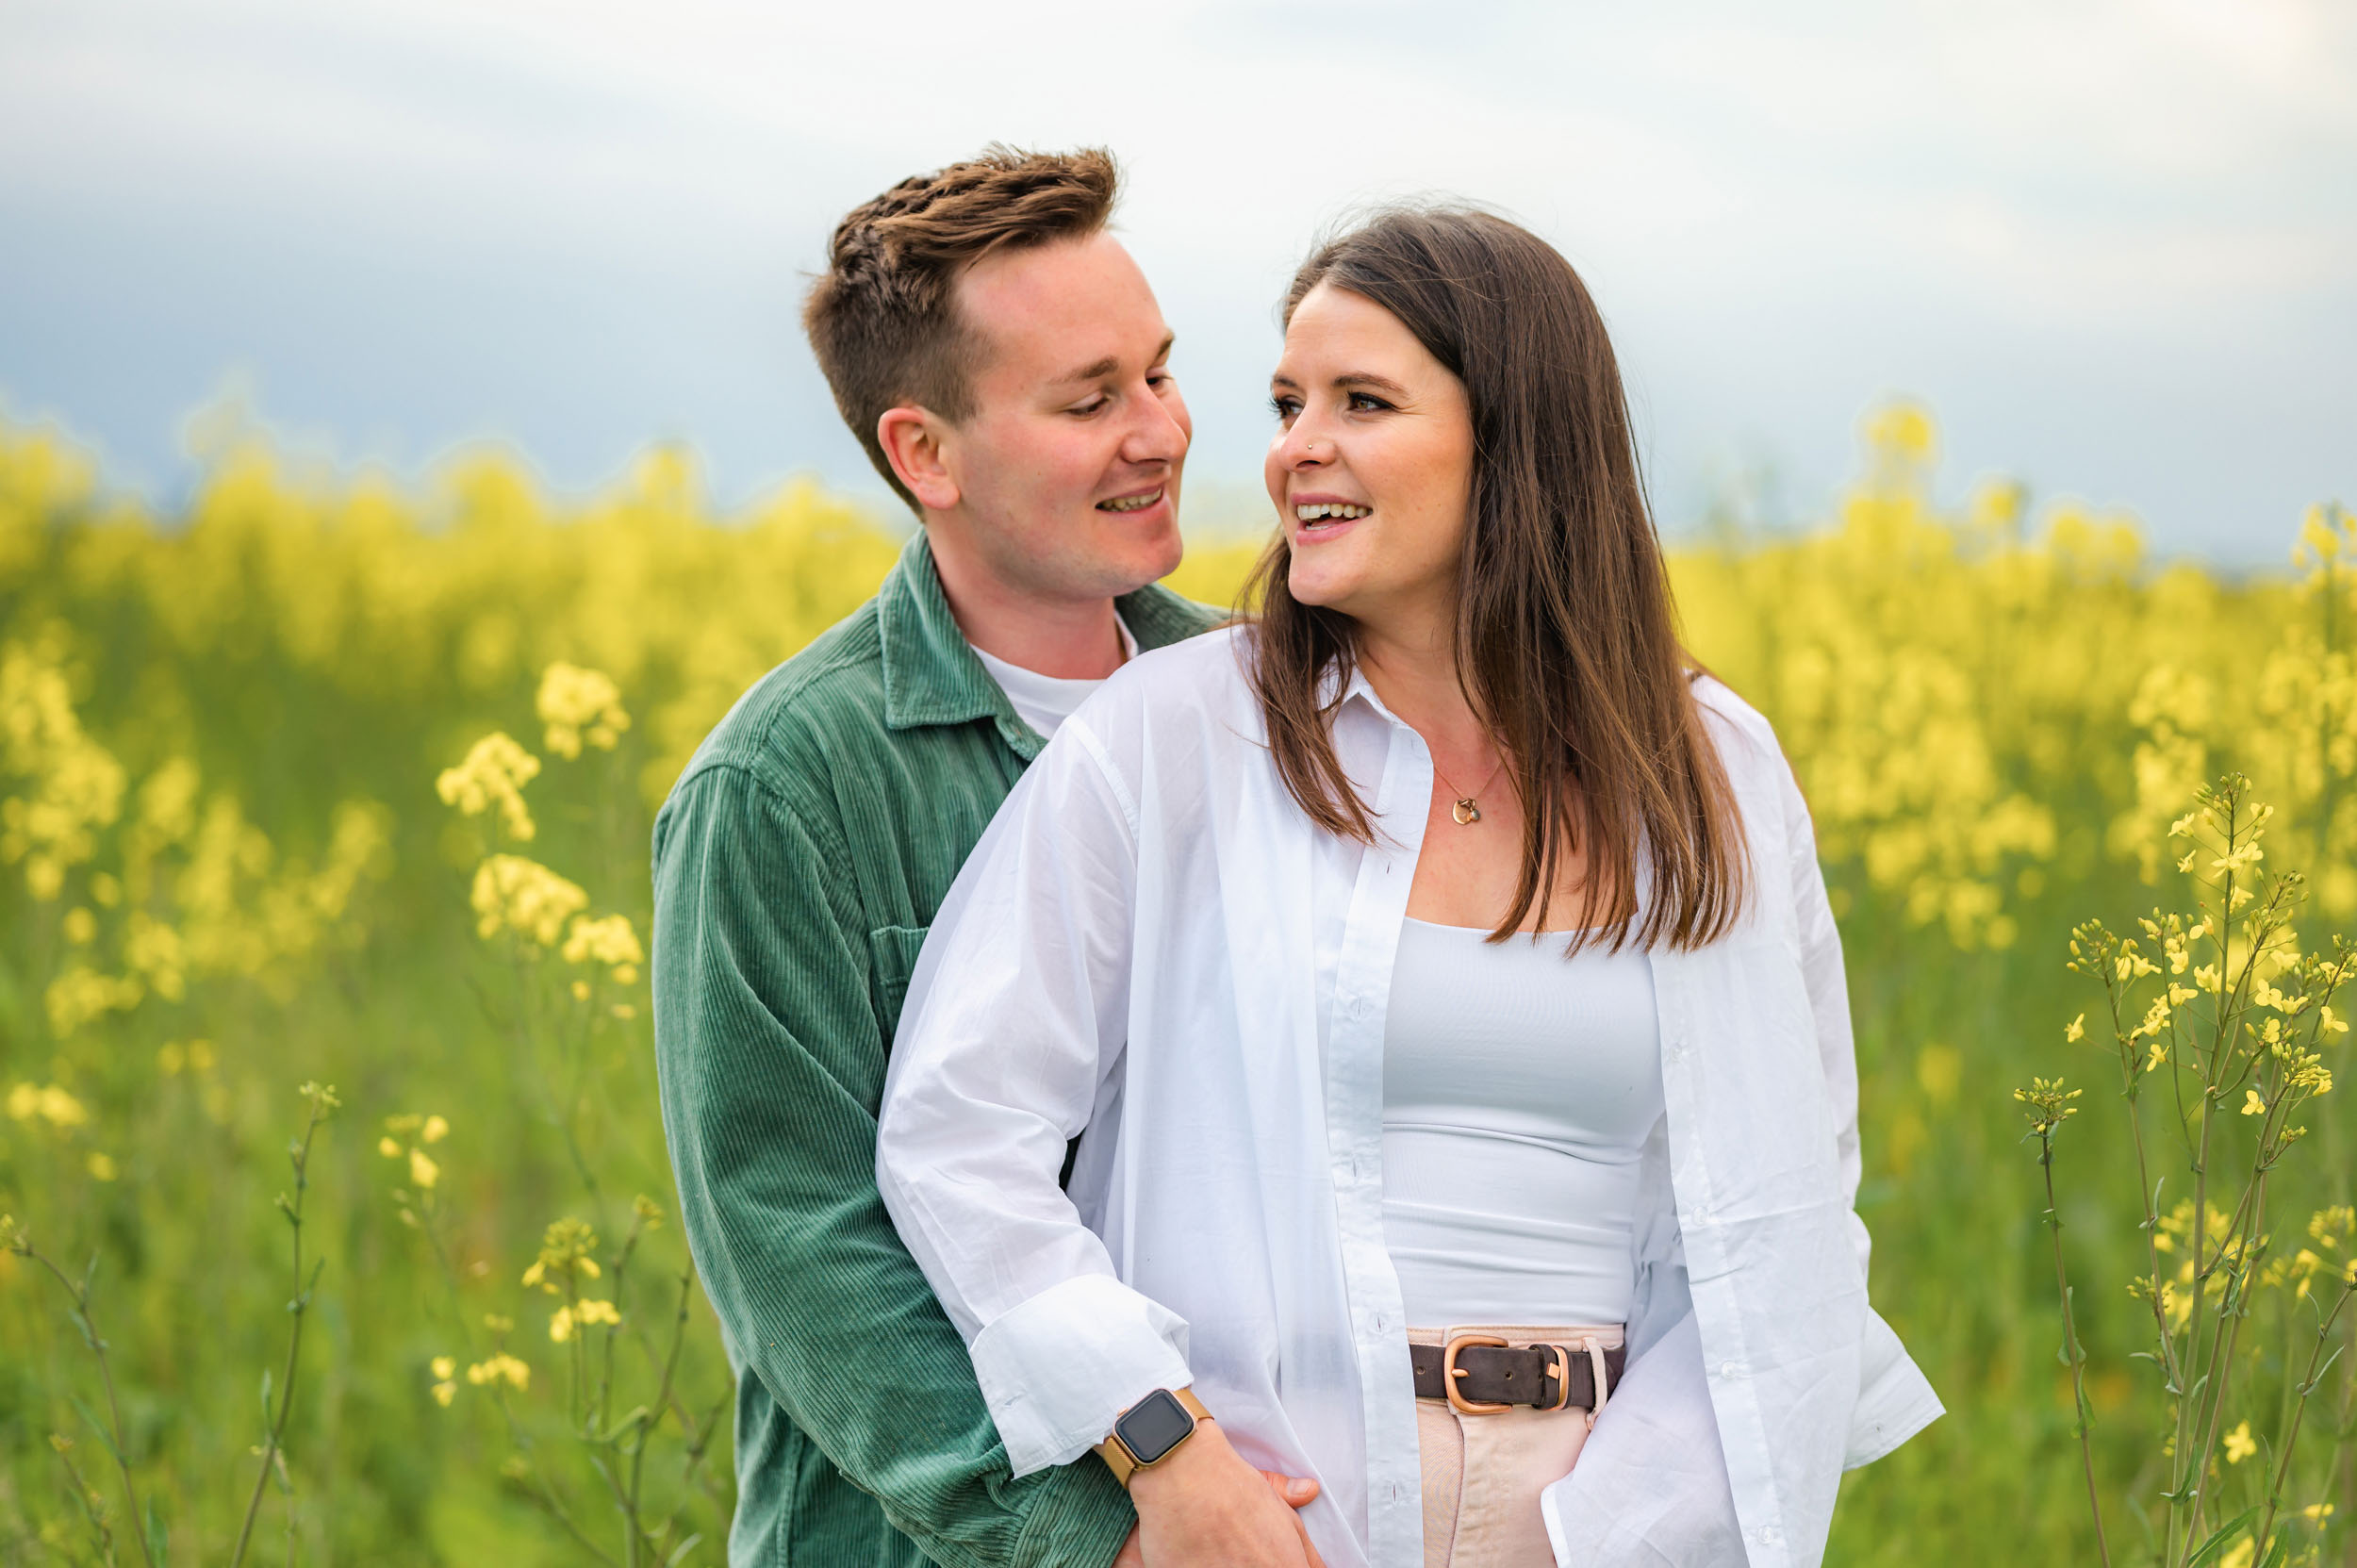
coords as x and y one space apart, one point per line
1153 944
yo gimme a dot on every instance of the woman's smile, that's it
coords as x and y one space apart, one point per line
1318 518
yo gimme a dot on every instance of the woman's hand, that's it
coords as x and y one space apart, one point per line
1205 1504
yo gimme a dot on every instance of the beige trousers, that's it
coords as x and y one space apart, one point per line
1483 1474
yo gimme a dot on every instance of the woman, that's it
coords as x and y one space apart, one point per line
1440 970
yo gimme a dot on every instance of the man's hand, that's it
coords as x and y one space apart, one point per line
1205 1504
1294 1491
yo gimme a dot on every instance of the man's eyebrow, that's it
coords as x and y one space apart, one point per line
1107 366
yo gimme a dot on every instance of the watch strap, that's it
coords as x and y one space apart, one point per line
1123 1463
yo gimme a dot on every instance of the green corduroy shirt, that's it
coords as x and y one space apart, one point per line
796 863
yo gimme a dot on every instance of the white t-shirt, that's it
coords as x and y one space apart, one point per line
1045 702
1519 1090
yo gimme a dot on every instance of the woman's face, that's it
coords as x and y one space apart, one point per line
1372 465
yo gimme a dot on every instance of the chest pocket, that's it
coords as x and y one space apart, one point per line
891 955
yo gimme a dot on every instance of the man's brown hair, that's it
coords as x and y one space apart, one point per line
1567 641
883 318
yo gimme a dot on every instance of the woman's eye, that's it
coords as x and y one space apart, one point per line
1284 408
1367 402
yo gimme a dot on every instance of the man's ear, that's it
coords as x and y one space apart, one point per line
912 440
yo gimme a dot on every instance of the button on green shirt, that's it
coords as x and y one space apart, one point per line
796 863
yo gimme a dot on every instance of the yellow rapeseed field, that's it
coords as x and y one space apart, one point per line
324 1040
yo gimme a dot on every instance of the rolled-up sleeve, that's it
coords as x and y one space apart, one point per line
1014 1023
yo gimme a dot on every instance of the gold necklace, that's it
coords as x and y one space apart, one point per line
1465 813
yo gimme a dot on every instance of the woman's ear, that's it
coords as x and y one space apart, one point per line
912 439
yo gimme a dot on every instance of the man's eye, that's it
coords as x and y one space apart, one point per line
1093 405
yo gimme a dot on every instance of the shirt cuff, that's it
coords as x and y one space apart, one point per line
1895 1400
1057 1370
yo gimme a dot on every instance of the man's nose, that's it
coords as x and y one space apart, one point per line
1156 435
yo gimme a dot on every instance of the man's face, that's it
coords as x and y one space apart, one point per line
1067 471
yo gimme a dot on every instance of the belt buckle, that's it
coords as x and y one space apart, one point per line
1559 1368
1450 1372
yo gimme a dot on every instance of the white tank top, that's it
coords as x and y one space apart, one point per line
1519 1088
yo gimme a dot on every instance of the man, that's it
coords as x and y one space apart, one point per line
1004 361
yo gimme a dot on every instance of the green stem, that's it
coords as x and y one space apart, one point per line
299 1307
79 1295
2299 1411
2070 1346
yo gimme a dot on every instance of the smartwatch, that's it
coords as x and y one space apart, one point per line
1147 1431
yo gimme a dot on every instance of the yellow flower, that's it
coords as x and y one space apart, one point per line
561 1325
423 1171
2077 1029
444 1392
592 1310
2316 1514
2239 1555
49 1103
606 940
80 927
522 896
2252 1105
389 1149
492 777
434 1130
564 1255
2239 1445
2048 1102
500 1367
102 1167
572 699
444 1366
1939 1069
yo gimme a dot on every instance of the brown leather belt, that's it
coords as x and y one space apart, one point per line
1480 1375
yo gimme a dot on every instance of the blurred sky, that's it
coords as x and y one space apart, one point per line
2113 242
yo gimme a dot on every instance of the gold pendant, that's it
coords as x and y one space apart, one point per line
1465 812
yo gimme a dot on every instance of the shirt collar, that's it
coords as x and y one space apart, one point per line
931 675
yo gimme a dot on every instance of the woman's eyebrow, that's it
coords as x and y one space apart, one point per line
1368 378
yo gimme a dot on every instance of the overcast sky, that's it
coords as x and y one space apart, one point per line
2112 242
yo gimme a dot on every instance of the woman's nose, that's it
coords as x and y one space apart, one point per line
1304 445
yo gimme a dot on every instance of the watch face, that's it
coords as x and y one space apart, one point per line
1154 1425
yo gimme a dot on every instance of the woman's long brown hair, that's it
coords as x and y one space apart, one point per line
1567 643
